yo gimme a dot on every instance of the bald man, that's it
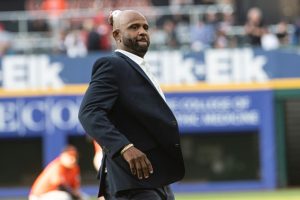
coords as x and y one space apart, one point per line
125 111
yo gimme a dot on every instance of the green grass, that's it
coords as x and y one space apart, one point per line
277 195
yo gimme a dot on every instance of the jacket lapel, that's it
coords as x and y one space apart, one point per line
142 73
137 68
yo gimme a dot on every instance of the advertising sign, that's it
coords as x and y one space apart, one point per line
225 66
39 115
200 112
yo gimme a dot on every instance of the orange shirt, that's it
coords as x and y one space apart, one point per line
53 176
97 147
54 7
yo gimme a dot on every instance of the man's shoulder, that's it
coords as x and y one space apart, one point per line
110 62
111 59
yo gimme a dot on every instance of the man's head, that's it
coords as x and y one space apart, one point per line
130 31
69 156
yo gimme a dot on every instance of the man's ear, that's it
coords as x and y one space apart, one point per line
116 34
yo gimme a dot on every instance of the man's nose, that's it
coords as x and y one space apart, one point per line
142 31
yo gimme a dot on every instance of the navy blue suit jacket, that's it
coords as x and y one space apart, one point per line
122 106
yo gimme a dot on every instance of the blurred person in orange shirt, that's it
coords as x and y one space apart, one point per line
54 8
60 180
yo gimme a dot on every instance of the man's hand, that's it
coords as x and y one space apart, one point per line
138 162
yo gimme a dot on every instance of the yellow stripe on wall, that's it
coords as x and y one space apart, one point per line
273 84
197 87
66 90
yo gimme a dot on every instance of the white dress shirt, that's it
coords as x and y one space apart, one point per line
145 67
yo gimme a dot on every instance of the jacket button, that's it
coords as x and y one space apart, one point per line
174 123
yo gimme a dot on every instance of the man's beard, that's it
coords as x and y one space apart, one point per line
134 45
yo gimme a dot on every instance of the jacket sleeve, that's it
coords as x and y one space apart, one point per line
96 105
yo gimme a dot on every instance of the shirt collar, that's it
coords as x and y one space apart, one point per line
138 60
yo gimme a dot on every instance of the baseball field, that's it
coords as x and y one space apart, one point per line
277 195
291 194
